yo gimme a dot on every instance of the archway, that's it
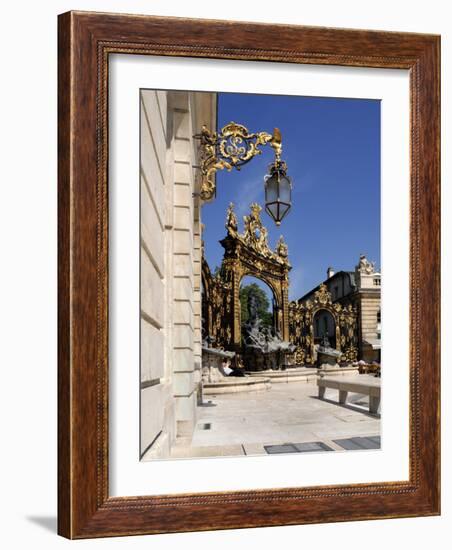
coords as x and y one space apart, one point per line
249 254
246 254
265 298
324 324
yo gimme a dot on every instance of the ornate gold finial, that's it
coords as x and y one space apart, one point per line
276 143
255 234
256 210
282 249
232 147
231 221
322 295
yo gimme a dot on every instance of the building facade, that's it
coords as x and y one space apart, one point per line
362 289
170 265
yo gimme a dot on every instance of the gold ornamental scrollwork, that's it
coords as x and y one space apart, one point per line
323 296
256 234
232 147
255 239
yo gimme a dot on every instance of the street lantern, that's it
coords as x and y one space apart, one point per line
278 191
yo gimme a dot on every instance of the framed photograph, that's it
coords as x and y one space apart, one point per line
248 275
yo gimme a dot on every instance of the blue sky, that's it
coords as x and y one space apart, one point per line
332 149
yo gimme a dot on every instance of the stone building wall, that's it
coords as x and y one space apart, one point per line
157 415
170 265
369 306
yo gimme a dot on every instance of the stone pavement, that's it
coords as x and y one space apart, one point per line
288 414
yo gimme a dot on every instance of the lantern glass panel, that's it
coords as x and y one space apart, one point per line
283 210
273 210
284 189
271 189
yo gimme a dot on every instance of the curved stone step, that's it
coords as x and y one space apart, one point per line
237 384
302 374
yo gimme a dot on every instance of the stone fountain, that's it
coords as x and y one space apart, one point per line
263 346
327 357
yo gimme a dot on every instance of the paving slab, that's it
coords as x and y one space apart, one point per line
359 443
244 423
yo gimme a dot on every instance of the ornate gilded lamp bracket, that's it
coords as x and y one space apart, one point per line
232 147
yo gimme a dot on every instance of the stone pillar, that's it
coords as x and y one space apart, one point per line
285 312
197 305
338 333
236 328
183 282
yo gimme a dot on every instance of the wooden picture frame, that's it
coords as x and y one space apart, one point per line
85 508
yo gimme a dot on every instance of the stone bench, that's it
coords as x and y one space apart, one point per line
365 385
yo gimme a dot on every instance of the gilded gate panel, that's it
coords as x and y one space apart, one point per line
301 327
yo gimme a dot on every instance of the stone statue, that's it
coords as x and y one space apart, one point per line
231 221
282 249
256 234
364 266
325 341
327 356
264 346
252 307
